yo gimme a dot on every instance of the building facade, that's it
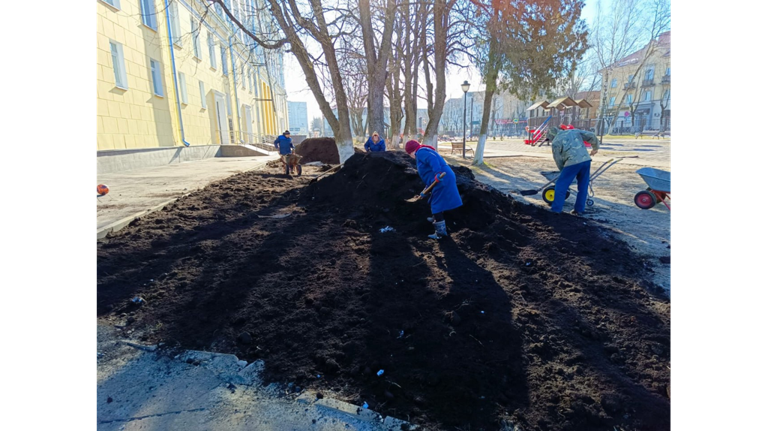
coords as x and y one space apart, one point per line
172 73
297 118
637 89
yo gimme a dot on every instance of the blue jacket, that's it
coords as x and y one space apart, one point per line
284 144
445 195
370 146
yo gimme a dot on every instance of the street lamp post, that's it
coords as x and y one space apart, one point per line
465 87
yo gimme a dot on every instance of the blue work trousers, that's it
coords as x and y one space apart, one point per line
580 171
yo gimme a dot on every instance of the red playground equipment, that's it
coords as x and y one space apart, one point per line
536 135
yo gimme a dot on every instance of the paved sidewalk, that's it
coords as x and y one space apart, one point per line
141 388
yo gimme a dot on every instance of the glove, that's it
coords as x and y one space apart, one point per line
437 177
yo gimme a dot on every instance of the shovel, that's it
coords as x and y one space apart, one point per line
426 190
535 191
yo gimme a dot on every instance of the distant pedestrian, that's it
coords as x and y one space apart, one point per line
375 143
574 161
284 144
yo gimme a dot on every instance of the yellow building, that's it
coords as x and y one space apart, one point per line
206 88
637 89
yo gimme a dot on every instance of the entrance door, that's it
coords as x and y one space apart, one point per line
221 118
248 124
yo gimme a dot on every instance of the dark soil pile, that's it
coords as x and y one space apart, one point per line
521 315
318 150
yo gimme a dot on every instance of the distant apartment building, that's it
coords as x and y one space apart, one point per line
297 118
170 73
637 89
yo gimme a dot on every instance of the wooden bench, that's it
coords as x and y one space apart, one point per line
460 147
652 134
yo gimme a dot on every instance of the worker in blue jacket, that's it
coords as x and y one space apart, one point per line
284 144
445 195
375 143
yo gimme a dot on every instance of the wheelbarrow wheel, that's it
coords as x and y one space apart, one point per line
590 202
549 195
645 200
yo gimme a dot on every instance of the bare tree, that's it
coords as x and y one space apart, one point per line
394 92
326 27
664 104
443 17
376 61
616 42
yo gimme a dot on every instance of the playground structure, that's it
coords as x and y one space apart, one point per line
537 135
564 110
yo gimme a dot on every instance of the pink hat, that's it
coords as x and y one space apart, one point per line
411 146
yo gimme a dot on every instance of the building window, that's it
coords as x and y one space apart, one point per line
118 65
612 102
148 14
648 95
668 72
195 37
183 88
630 78
114 3
613 83
666 95
250 80
629 98
212 51
157 78
202 95
175 28
224 61
649 73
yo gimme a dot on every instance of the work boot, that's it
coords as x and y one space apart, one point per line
440 230
431 219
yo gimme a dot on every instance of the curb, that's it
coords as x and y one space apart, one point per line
116 226
355 411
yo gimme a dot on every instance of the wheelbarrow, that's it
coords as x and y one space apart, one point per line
548 193
659 188
291 163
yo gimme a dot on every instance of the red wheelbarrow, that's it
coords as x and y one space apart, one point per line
659 188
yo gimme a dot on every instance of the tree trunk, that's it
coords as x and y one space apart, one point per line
491 75
376 65
395 104
441 13
339 125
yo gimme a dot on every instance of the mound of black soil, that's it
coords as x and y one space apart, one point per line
318 150
521 315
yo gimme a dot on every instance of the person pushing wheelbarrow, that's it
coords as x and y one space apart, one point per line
574 161
440 177
285 146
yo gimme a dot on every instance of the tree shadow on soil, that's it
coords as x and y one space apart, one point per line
445 338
